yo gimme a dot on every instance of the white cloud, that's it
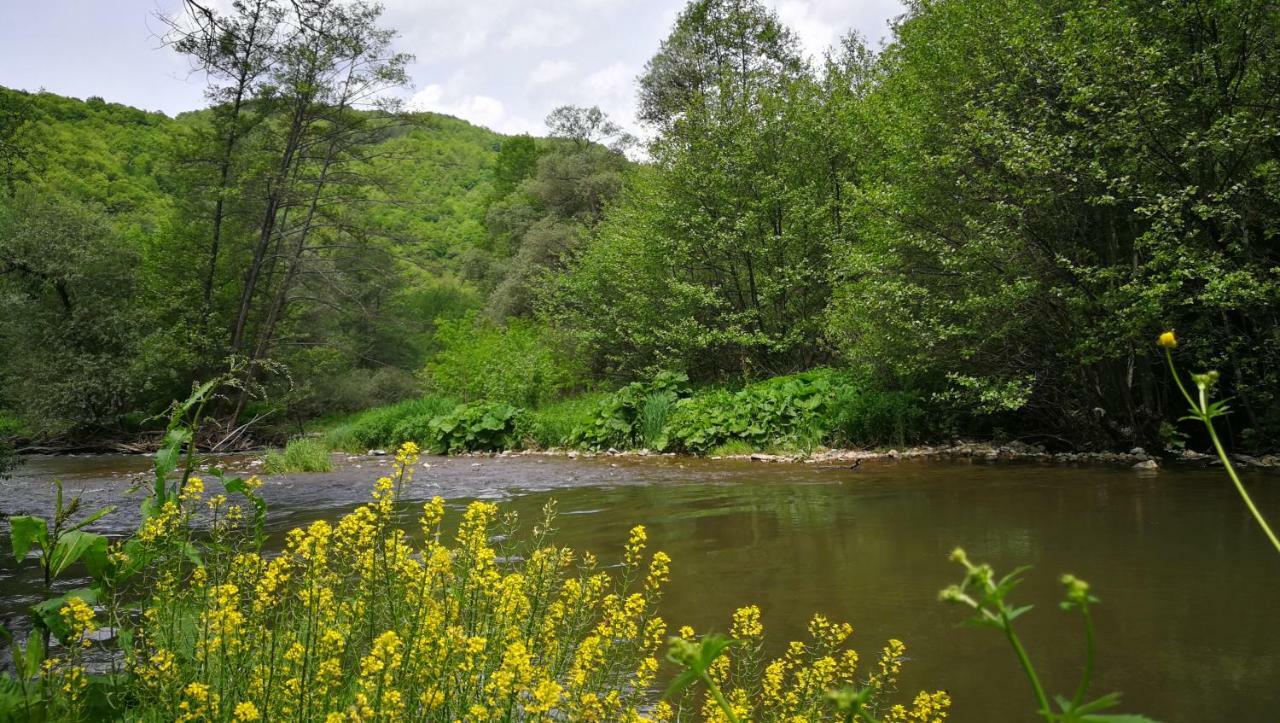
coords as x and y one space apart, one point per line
541 30
481 110
550 71
613 82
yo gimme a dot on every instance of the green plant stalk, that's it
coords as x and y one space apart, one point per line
1025 662
1086 676
1201 411
719 697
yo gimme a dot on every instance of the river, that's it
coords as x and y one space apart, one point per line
1188 628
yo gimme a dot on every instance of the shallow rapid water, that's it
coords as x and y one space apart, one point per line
1189 626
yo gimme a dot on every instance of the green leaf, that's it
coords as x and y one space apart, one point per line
32 655
24 530
93 518
682 681
72 546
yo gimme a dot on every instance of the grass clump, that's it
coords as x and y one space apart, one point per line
304 454
553 425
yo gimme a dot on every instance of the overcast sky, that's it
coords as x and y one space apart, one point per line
497 63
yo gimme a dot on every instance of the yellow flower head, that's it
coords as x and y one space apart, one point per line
1168 340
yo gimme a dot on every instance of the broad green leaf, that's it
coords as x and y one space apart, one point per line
72 546
23 531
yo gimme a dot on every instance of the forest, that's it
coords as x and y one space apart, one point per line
977 229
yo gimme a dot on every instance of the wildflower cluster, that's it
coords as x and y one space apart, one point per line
811 681
359 620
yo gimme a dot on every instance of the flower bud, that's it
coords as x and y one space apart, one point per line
1168 340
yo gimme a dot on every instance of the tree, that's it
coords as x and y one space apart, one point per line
735 215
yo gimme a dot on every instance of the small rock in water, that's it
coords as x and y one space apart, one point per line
1138 452
377 453
475 464
1148 464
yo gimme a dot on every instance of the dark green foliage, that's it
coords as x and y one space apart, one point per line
474 427
1056 182
517 161
616 422
520 362
791 411
865 416
554 425
378 427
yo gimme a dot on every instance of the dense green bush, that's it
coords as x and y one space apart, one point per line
616 421
520 363
868 416
474 427
791 411
376 426
553 425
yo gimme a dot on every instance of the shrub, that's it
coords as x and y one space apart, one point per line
303 454
788 411
651 422
862 416
616 421
521 363
553 425
377 427
475 427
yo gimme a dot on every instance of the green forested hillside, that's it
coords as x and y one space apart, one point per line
102 265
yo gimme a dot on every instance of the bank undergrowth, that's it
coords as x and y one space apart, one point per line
793 413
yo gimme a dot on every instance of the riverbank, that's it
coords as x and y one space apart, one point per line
1137 458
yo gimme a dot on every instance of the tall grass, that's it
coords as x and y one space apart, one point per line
651 423
304 454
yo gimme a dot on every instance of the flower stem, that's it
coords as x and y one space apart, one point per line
1025 662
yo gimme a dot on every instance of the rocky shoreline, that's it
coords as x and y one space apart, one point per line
1137 458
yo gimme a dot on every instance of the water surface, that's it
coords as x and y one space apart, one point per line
1189 626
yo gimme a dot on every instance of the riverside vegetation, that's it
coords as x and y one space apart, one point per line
378 617
381 616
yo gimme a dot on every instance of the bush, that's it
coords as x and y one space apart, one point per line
521 363
377 427
475 427
554 425
616 421
790 411
651 422
303 454
869 417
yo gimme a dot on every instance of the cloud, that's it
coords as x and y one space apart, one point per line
550 71
481 110
541 30
613 82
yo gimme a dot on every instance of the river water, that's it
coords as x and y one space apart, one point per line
1188 628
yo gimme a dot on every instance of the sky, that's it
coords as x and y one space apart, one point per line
503 64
